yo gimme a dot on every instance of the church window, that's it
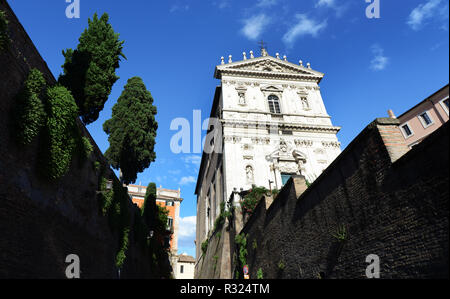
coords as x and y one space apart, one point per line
274 104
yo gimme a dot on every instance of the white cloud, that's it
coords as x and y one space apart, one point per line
427 11
193 159
304 26
327 3
255 26
266 3
379 61
177 7
187 180
338 8
187 227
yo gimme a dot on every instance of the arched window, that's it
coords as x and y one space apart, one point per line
274 104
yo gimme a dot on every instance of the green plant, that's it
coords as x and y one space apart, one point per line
216 258
121 255
275 192
220 221
4 38
341 233
281 265
29 110
236 275
241 242
89 71
204 246
88 148
132 131
96 165
61 132
259 274
254 244
252 199
149 208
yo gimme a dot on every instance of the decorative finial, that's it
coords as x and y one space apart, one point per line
222 60
308 65
251 54
278 55
245 55
285 58
230 60
301 62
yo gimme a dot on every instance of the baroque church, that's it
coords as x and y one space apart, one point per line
273 124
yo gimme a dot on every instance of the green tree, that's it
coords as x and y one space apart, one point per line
132 131
89 71
149 206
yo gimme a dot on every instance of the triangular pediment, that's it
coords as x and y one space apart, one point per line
267 66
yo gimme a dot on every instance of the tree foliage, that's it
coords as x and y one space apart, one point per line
61 131
89 71
149 206
30 111
132 131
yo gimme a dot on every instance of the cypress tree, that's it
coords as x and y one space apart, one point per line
89 71
132 131
149 207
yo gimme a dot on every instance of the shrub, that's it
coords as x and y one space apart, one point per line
241 242
204 246
4 38
281 265
252 199
259 274
61 131
29 110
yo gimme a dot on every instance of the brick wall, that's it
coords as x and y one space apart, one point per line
389 203
41 222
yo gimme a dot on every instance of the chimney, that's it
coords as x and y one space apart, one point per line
391 114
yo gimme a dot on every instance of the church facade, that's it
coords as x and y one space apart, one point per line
271 122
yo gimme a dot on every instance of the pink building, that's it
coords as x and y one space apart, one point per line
424 118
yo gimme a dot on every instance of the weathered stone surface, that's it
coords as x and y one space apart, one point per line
396 210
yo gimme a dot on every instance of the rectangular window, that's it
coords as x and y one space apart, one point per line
425 119
285 178
406 130
181 269
169 224
169 203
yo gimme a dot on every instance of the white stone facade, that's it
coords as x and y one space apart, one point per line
273 123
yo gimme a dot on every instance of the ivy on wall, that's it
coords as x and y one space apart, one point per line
29 112
61 132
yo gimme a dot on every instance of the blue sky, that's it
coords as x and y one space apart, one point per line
370 65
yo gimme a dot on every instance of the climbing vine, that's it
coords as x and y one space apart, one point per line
29 111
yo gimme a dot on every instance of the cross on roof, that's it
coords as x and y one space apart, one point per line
263 45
